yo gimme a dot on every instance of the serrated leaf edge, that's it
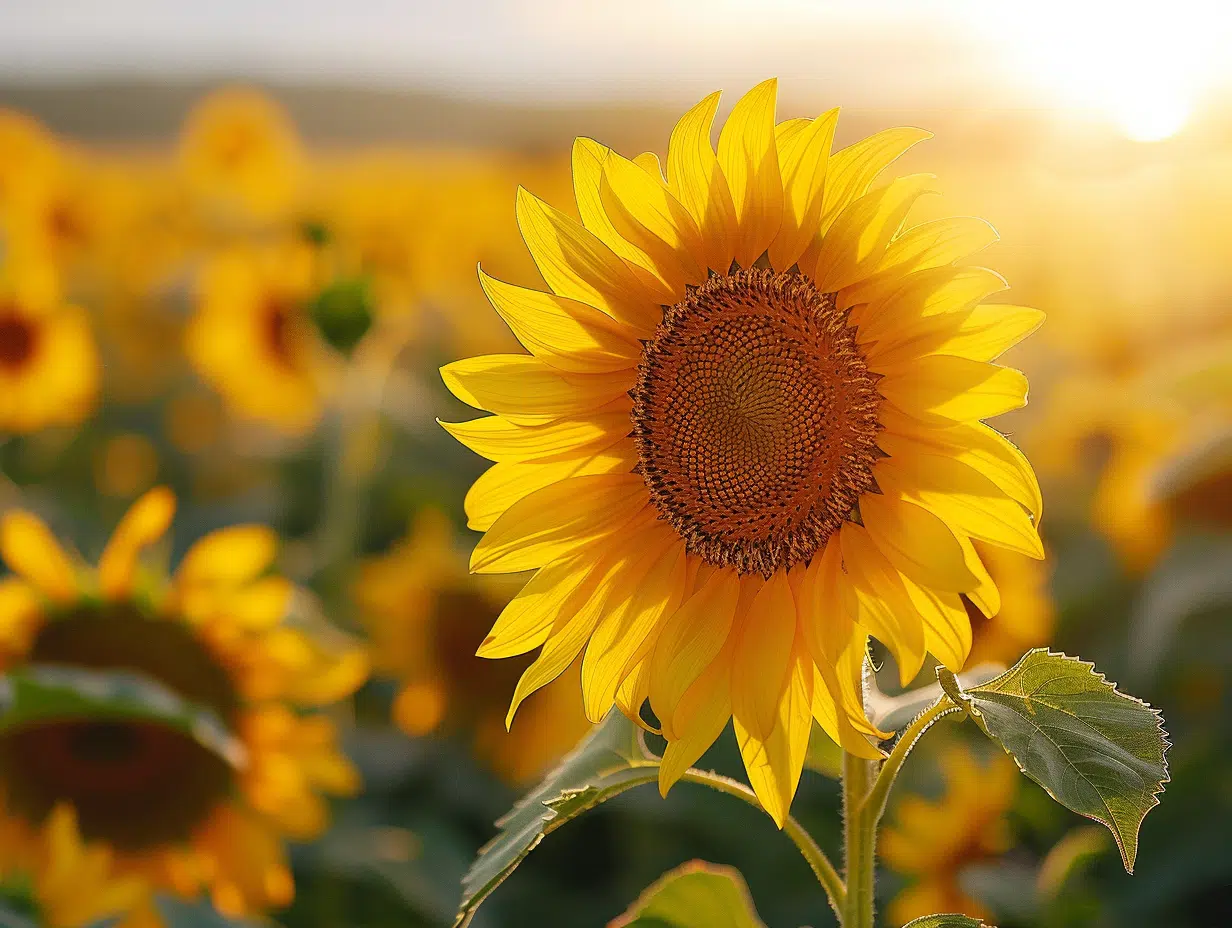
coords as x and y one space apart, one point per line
953 689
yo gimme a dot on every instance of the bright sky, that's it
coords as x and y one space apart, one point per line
1143 65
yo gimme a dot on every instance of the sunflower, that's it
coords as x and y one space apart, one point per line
427 617
934 841
168 809
241 156
67 882
252 339
49 366
1027 614
747 435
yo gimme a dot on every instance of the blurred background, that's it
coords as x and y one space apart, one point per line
261 223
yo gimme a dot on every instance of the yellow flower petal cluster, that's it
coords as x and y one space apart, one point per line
165 808
426 618
932 841
747 435
1027 615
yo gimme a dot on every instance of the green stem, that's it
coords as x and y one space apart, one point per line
860 833
874 804
825 872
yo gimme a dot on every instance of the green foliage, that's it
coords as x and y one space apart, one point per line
694 895
343 313
946 921
38 693
610 760
1095 750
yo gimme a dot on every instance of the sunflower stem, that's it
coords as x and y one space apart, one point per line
860 833
874 804
825 871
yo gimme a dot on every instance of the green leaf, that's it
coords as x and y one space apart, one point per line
35 694
610 760
946 921
1095 750
694 895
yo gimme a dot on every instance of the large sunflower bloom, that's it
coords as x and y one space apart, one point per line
747 436
170 810
427 616
933 841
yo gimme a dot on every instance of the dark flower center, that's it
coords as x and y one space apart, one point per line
18 338
134 784
755 418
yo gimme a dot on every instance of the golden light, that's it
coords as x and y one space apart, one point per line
1144 67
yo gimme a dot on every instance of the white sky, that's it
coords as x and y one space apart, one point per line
1141 63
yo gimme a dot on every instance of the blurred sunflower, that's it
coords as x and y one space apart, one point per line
1026 617
28 152
49 366
241 156
748 435
252 338
169 809
933 841
67 882
427 617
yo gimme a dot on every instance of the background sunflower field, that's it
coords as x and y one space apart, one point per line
236 246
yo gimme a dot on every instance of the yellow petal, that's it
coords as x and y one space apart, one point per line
986 596
774 762
982 333
526 622
21 613
624 634
562 333
915 305
916 542
975 444
557 520
498 439
941 388
700 719
31 550
964 498
578 266
947 627
146 521
697 180
648 161
936 243
804 156
527 392
502 485
229 556
856 242
632 693
262 604
853 169
689 642
750 162
647 214
576 621
833 719
826 624
763 649
873 588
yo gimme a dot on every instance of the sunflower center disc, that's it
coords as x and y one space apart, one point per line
17 339
755 419
135 785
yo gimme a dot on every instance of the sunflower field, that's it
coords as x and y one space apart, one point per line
381 522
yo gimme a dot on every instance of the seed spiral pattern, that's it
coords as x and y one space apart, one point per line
755 420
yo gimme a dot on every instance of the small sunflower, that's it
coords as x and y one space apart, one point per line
427 617
933 841
170 810
747 435
241 156
252 339
66 881
49 366
1026 617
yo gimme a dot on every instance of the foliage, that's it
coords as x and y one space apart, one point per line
694 895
